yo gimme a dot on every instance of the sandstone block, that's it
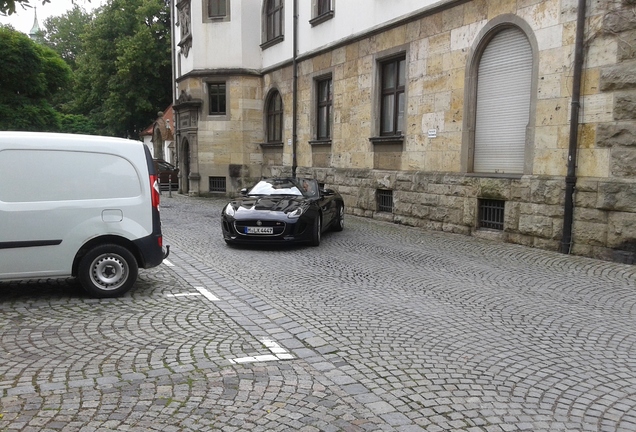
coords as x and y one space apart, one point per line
621 134
625 106
619 77
538 226
623 162
621 231
617 197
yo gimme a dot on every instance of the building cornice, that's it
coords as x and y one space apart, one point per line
198 73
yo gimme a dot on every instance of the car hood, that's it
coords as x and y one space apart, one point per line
262 207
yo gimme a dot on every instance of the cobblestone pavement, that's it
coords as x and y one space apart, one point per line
380 328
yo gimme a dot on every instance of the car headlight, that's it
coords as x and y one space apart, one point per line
296 213
229 210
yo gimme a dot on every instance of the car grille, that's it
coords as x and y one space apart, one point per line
241 227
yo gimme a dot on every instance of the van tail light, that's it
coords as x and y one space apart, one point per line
154 191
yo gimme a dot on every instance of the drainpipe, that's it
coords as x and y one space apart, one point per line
570 179
295 90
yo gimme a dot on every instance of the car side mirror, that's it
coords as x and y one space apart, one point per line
244 191
328 192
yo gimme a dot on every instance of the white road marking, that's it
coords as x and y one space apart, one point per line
183 295
207 294
168 263
278 353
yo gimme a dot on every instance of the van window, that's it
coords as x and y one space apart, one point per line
51 175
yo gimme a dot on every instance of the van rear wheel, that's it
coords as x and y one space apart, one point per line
108 270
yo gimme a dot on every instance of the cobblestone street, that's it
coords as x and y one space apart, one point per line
380 328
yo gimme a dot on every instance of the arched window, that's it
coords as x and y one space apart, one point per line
273 19
275 118
503 103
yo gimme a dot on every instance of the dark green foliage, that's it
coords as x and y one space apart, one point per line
124 74
64 33
77 124
30 75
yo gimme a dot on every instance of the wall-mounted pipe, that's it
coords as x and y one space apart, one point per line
295 91
570 179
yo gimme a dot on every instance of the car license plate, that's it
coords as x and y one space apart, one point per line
259 230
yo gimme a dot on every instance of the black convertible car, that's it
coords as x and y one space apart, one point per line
282 210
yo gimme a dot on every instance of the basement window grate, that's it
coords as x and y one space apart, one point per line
384 199
491 214
217 184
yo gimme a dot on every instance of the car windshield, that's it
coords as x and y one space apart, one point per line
275 187
296 187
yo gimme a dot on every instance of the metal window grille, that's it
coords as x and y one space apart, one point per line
491 214
385 200
217 184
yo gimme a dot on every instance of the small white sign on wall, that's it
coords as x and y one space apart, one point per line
432 133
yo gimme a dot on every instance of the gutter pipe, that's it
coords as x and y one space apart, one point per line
295 91
570 179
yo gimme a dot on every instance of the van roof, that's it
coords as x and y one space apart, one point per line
44 140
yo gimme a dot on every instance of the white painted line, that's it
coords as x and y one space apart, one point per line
285 356
278 354
207 294
183 295
245 360
264 358
168 263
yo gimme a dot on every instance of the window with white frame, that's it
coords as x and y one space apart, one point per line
273 19
217 8
322 10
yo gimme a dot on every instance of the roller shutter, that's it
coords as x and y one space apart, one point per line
503 103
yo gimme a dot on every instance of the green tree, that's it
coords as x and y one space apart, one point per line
124 74
64 33
31 74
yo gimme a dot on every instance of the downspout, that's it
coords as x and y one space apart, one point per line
173 85
295 90
172 54
570 179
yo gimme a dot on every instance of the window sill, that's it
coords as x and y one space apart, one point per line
320 142
389 139
272 42
275 144
495 175
321 18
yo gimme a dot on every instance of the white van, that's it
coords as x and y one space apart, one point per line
78 205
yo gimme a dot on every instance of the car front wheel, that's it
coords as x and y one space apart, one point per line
339 222
108 270
316 232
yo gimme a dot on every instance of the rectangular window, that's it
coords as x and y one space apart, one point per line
491 214
216 92
324 6
274 23
324 109
385 200
217 184
393 79
217 8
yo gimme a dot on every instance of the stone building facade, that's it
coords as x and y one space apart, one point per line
451 115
